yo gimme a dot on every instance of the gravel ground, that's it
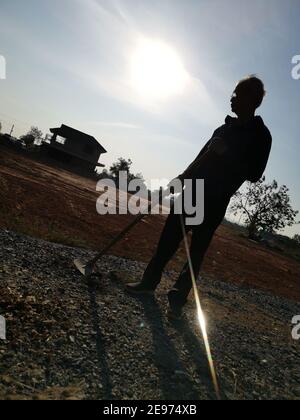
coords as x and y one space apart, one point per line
72 339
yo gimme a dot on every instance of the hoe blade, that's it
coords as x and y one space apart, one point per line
85 268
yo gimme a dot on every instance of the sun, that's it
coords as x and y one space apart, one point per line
156 70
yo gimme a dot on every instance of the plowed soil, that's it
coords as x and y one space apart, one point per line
58 206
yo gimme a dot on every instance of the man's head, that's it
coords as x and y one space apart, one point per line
247 96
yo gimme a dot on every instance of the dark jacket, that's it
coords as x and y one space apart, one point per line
234 154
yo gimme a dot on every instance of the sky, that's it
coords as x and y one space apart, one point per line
80 62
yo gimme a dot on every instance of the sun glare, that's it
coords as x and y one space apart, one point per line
157 71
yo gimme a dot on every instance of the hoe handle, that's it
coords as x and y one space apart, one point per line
124 231
117 238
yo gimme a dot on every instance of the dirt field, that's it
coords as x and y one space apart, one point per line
55 205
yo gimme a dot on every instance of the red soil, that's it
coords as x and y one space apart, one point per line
55 205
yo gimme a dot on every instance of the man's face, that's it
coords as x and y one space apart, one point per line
241 103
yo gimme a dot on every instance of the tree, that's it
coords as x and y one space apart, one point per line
120 165
33 135
28 139
35 132
265 208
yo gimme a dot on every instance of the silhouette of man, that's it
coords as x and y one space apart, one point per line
237 152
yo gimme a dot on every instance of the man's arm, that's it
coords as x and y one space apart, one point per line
259 158
187 173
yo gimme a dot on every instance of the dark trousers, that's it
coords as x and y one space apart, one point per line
169 242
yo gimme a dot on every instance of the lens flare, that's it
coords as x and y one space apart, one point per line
202 321
201 317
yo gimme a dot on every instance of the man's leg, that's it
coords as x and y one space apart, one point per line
168 244
201 238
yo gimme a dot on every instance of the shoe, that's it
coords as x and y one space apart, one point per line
139 289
